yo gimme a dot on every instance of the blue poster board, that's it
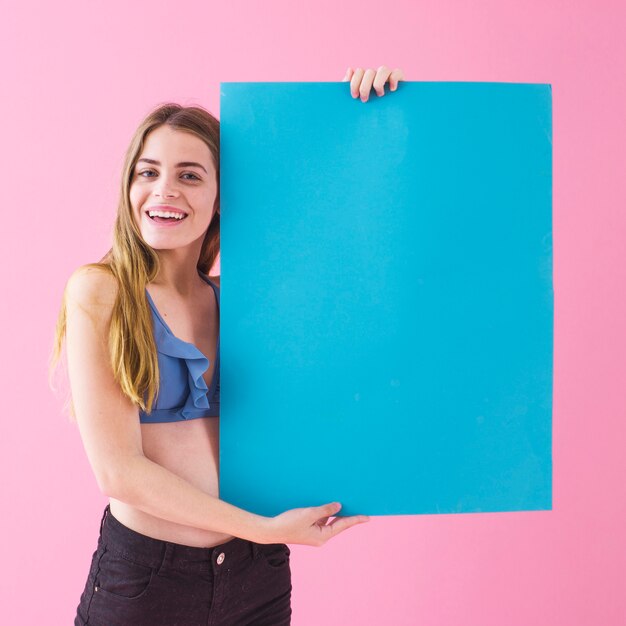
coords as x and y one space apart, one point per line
386 297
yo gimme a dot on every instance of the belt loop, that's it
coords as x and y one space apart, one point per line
255 550
107 508
166 557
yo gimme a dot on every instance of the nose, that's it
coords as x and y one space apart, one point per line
165 190
164 193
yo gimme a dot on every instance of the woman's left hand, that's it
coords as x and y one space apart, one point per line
361 81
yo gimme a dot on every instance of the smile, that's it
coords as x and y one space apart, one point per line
166 218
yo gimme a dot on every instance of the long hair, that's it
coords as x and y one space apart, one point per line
134 264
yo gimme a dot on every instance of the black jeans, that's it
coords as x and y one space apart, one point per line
136 580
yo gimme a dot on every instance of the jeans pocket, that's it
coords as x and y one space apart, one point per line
120 577
275 555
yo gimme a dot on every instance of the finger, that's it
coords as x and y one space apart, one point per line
355 82
366 84
348 74
339 524
325 511
353 519
382 75
394 78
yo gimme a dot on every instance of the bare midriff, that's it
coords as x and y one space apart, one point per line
189 449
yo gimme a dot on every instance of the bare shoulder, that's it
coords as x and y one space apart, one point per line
91 288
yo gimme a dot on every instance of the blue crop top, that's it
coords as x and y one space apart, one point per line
183 393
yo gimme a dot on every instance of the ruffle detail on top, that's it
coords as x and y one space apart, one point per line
197 365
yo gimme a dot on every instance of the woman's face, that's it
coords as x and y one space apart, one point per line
174 173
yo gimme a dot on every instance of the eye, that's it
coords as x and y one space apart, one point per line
153 172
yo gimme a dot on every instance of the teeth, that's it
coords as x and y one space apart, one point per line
178 216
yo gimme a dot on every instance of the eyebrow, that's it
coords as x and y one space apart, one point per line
181 164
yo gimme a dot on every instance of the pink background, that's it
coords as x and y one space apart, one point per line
77 78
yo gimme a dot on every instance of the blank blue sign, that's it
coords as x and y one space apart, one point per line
386 297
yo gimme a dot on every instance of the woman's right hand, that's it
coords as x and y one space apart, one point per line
308 525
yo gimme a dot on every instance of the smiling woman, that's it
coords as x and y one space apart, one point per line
166 191
142 337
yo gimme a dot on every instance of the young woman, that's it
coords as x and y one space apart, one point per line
142 340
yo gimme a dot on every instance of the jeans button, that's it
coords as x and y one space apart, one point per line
220 558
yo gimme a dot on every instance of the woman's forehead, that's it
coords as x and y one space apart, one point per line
169 145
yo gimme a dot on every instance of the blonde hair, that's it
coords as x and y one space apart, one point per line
134 263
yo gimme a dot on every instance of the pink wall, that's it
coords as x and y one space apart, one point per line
78 76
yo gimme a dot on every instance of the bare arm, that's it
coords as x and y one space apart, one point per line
108 423
157 491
